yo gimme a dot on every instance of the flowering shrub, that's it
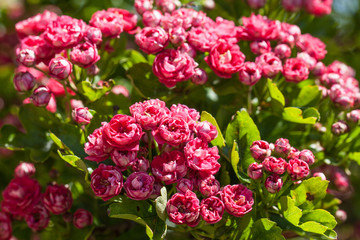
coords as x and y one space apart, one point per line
182 121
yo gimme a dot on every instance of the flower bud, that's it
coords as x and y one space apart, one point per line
82 218
152 39
282 147
260 47
183 185
256 3
60 68
177 35
340 128
320 174
25 169
255 170
24 81
310 61
273 183
123 159
93 35
260 150
152 18
93 70
5 226
143 5
297 169
26 57
82 115
85 54
275 165
353 116
292 5
319 69
41 96
340 215
307 156
200 77
209 186
139 185
282 51
249 73
188 49
341 181
238 199
57 199
140 164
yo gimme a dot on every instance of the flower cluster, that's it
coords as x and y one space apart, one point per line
23 199
315 7
275 160
156 147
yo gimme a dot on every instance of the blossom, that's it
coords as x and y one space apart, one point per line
82 218
139 185
106 181
212 209
60 68
57 199
238 200
152 40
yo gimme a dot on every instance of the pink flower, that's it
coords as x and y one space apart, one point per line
212 209
297 169
282 147
96 147
35 25
5 226
307 156
171 66
275 165
183 185
282 51
184 208
223 28
273 183
249 73
129 19
41 96
312 45
57 199
340 127
123 133
202 158
201 39
172 130
110 23
292 5
82 218
38 218
84 55
255 170
43 52
64 32
289 34
152 18
319 69
341 96
257 27
186 48
123 159
166 5
269 64
200 77
142 6
320 174
318 7
353 116
106 181
260 150
24 81
60 68
82 115
26 57
225 58
341 181
177 35
310 61
140 164
169 167
190 115
139 185
256 3
152 39
93 35
20 195
238 200
24 169
209 186
295 70
260 47
340 68
206 131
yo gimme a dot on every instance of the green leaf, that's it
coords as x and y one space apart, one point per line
289 210
219 140
74 161
94 93
265 229
235 163
355 156
309 192
160 204
313 227
320 216
243 130
277 98
309 96
293 114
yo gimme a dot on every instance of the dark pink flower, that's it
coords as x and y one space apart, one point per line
5 227
295 70
209 186
142 6
41 96
275 165
353 116
110 23
292 5
123 159
57 199
167 6
341 181
169 167
312 45
249 73
202 158
81 115
269 64
255 170
93 35
20 195
129 19
60 68
273 183
177 35
212 209
171 66
26 57
139 185
223 28
38 218
206 131
238 200
257 27
260 47
200 77
340 127
289 34
282 147
184 208
318 7
64 32
84 55
82 218
152 40
140 164
256 3
24 81
123 133
190 115
297 169
225 58
307 156
183 185
24 169
43 52
201 39
186 48
260 150
152 18
106 181
96 147
282 51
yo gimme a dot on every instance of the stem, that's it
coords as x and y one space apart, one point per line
42 71
249 100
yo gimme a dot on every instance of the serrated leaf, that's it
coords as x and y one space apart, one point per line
160 204
309 96
289 210
93 93
265 229
293 114
320 216
219 140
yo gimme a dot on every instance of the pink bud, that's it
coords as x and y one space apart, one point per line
297 169
340 128
57 199
92 70
123 159
26 57
282 147
275 165
93 35
310 61
200 77
256 3
186 48
41 96
177 35
152 18
24 81
206 131
260 47
60 68
340 215
292 5
25 169
307 156
282 51
270 64
82 218
82 115
319 69
85 54
143 5
341 181
273 183
255 170
353 116
249 73
260 150
320 174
